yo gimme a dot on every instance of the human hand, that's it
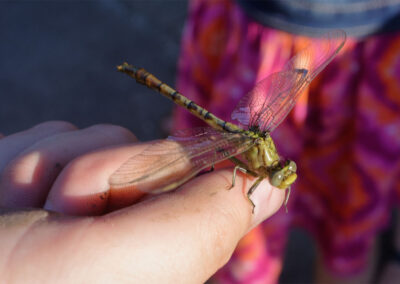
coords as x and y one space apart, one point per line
98 235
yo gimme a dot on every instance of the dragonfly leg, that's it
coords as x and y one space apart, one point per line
251 190
213 164
242 165
212 168
208 171
243 170
287 195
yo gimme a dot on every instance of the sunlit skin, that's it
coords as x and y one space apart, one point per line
75 229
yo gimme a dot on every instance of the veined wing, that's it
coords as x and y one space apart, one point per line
262 107
267 105
167 164
318 54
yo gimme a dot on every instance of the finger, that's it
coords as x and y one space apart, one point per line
181 237
12 145
195 228
27 179
83 189
83 186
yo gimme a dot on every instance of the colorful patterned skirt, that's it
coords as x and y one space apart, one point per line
344 134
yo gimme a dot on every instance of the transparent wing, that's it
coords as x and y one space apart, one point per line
267 105
167 164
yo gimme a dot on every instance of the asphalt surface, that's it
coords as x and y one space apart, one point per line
57 62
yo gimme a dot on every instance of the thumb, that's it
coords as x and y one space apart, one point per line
187 235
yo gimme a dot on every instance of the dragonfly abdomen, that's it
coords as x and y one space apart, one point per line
152 82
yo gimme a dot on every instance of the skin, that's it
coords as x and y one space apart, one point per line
78 230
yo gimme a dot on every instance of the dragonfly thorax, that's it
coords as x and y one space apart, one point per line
262 155
255 131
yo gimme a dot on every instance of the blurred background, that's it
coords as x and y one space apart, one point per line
58 59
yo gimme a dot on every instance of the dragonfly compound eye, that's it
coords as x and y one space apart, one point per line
276 179
292 166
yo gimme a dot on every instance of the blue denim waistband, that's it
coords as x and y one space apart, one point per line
359 18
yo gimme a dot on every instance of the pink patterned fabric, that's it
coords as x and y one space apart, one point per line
344 134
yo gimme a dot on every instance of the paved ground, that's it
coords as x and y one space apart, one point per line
57 61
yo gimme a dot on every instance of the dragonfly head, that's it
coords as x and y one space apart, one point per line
284 177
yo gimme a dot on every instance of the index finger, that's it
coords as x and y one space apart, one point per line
83 186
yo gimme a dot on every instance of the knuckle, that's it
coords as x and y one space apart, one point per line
114 130
23 165
84 165
57 124
21 172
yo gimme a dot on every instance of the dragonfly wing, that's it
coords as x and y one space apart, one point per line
261 107
315 56
167 164
267 105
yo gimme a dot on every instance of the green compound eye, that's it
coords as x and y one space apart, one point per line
277 179
292 166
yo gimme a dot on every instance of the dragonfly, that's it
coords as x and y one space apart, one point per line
248 144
